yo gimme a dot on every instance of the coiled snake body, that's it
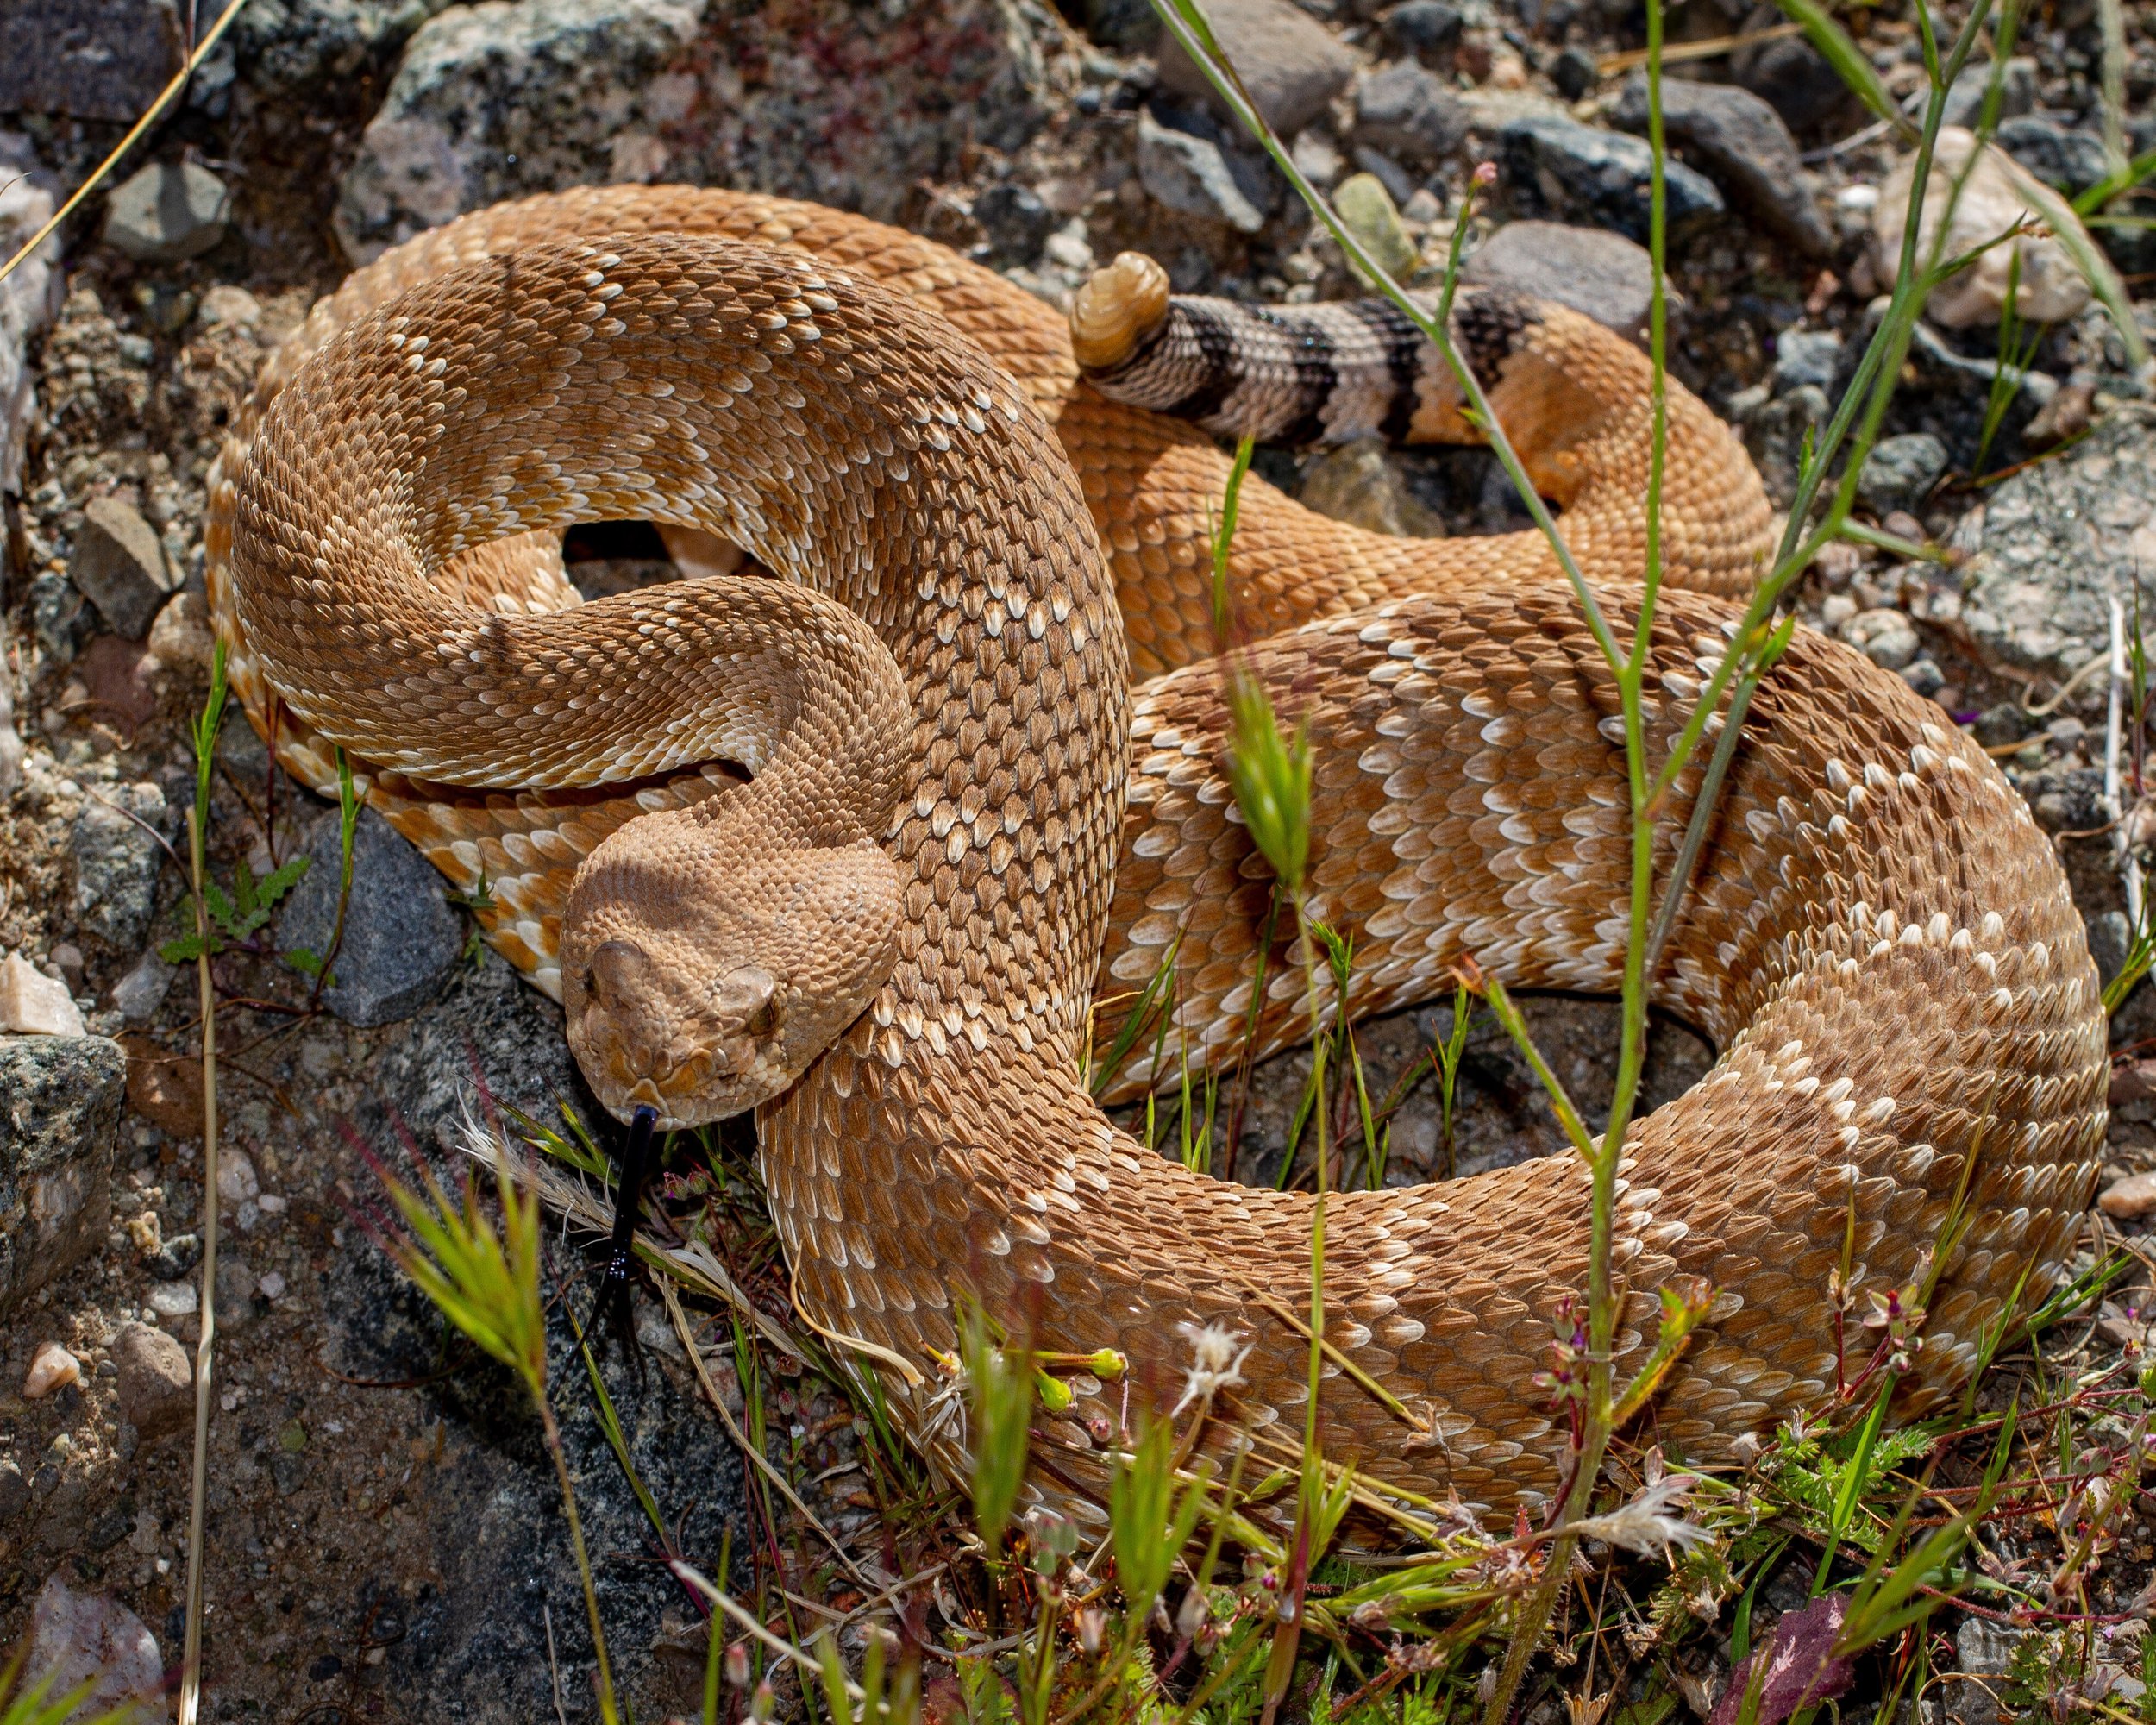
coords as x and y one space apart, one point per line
888 941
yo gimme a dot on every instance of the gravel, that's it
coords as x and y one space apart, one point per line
138 994
1806 356
1017 223
2060 155
1363 483
1883 635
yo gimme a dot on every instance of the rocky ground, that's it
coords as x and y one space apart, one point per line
386 1541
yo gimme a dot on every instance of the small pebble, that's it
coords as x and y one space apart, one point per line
237 1180
2129 1198
175 1300
34 1004
1884 634
271 1286
53 1367
156 1382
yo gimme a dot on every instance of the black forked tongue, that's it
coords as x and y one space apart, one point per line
621 1255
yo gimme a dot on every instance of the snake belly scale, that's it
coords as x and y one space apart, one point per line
887 941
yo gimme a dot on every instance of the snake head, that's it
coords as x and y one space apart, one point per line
702 981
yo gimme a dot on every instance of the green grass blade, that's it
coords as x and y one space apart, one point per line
2076 240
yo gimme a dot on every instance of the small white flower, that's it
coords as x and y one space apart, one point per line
1652 1522
1216 1363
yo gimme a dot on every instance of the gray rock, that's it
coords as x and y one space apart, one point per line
1965 101
1883 635
60 617
1575 72
1924 676
1984 1650
1017 222
83 1642
287 51
1288 61
1408 113
15 1491
119 566
2047 543
96 60
514 1034
176 1259
167 211
156 1387
1900 472
2055 152
1363 483
1375 165
116 862
492 102
1741 141
60 1098
1187 174
1559 167
1806 356
401 939
1592 270
1317 160
1798 81
137 995
1424 29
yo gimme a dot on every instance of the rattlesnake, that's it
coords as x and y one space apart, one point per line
955 802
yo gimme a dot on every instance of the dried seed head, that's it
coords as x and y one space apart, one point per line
1216 1362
